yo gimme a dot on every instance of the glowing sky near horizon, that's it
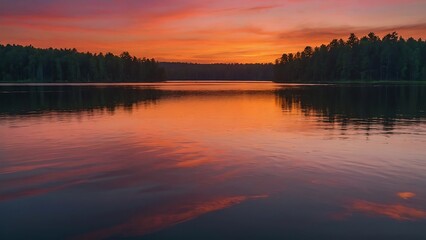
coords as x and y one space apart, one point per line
200 30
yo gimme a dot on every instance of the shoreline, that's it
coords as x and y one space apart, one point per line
210 82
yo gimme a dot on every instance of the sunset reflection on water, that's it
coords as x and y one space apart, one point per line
198 160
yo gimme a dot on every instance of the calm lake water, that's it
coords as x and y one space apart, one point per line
212 161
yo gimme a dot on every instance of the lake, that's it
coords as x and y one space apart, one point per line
212 160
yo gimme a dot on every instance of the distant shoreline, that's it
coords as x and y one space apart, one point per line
26 83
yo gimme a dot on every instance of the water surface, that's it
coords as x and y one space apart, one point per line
212 161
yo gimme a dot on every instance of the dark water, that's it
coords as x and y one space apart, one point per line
213 161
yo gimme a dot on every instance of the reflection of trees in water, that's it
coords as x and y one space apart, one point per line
358 105
24 100
354 106
40 99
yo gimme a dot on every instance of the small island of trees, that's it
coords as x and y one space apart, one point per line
370 58
19 63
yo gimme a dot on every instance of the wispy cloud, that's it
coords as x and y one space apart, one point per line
194 30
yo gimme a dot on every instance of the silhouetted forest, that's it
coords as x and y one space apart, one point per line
219 71
391 58
367 59
19 63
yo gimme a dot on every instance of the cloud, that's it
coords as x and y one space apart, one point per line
339 31
193 30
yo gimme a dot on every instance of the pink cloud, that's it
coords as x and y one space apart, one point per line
227 31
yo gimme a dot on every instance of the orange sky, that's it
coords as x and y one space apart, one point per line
200 30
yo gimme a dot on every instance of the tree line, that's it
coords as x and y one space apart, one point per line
27 63
371 58
218 71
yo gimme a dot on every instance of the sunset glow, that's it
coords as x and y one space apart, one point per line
203 31
226 160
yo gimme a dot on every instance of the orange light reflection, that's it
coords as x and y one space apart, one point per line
394 211
145 224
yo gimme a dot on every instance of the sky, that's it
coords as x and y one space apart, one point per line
203 31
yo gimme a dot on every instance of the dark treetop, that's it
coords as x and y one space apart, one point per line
19 63
370 58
